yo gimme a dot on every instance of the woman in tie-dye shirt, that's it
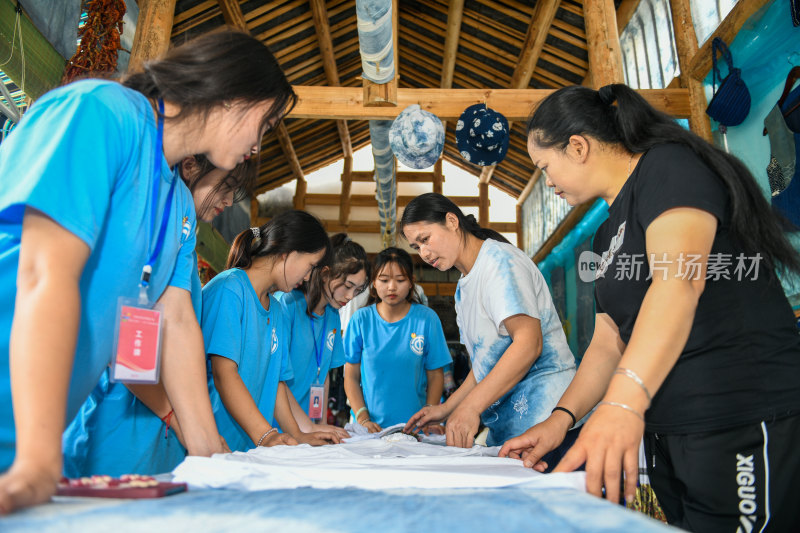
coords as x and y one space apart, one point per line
521 363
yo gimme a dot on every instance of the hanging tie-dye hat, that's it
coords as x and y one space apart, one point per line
482 135
417 137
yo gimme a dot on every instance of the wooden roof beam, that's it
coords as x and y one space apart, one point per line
515 104
320 15
541 20
232 13
625 12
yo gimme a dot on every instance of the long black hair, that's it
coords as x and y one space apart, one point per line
432 208
399 257
219 67
347 257
291 231
239 180
635 125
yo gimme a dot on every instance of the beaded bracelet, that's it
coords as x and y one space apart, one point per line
628 373
626 407
266 434
358 413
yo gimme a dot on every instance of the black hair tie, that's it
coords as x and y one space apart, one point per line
607 95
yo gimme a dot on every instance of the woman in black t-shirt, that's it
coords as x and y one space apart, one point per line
695 344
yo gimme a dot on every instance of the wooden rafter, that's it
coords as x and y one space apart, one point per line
455 13
236 17
368 200
153 31
625 12
320 16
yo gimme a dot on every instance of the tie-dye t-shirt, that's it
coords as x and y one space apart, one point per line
505 282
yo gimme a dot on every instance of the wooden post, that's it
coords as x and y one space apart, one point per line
254 210
438 179
602 36
686 43
300 194
519 226
541 20
483 208
344 198
153 30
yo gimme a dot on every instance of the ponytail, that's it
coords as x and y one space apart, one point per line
291 231
433 208
636 126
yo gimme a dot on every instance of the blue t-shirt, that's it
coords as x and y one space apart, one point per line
236 326
311 336
394 357
84 155
113 419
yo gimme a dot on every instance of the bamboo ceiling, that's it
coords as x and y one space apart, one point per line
493 43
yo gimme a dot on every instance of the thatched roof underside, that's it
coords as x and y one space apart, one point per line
490 44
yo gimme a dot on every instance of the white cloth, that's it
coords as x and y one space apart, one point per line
359 432
367 464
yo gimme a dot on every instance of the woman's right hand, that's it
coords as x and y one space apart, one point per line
539 440
371 426
277 439
23 486
430 414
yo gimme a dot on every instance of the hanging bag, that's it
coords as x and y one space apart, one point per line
731 102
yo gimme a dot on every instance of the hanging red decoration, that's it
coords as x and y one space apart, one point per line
99 40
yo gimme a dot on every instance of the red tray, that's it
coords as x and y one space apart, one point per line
120 491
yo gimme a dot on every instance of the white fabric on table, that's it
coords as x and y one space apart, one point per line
366 464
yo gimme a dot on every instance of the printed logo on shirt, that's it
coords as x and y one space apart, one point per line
417 343
608 256
274 342
187 227
330 338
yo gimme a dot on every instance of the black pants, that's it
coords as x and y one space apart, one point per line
745 479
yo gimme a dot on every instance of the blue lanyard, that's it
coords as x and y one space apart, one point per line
147 270
318 350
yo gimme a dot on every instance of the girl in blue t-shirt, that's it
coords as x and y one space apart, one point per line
395 349
316 339
85 186
246 333
148 437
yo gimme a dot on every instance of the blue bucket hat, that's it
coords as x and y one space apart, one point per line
417 137
482 135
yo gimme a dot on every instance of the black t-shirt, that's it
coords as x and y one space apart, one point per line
741 362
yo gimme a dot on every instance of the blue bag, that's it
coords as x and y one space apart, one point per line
731 102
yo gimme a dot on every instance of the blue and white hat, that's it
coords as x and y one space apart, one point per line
417 137
482 135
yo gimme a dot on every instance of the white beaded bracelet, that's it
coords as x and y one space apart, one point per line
265 435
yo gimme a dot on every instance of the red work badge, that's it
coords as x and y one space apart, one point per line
315 397
137 351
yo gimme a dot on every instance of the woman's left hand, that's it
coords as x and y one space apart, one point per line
318 438
342 434
609 445
462 426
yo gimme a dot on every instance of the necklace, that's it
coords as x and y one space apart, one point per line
630 160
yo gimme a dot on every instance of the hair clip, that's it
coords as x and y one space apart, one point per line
256 232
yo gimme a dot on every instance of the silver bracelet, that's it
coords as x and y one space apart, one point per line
626 407
628 373
266 434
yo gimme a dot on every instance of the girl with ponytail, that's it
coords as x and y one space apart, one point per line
81 225
312 312
247 335
700 352
521 363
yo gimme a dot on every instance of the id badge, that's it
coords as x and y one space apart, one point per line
137 345
315 398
